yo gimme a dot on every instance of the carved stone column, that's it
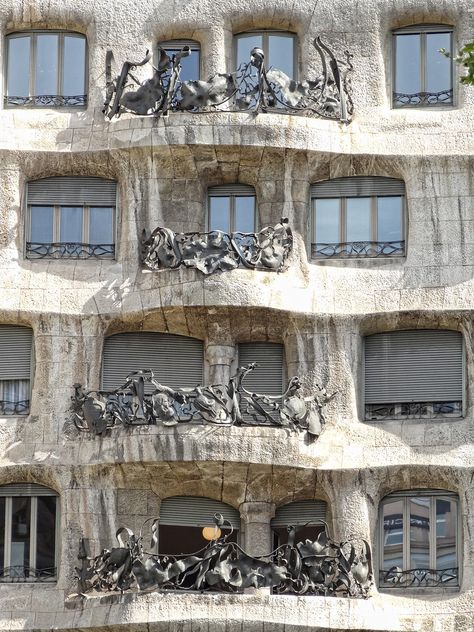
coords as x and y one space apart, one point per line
256 533
220 358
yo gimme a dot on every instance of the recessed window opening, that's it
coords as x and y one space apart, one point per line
298 514
232 209
279 48
191 64
15 369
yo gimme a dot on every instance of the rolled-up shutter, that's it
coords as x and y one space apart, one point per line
358 186
413 366
299 513
72 191
15 352
178 45
194 511
231 189
176 361
26 489
269 375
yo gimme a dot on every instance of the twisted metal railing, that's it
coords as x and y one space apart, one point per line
358 249
9 407
47 100
444 97
413 410
21 573
419 577
69 250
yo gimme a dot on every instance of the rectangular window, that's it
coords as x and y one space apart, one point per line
15 369
232 209
191 64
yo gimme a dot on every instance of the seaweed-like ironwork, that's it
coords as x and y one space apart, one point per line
252 87
413 410
96 412
215 250
21 573
47 100
359 249
69 250
419 577
319 567
9 407
444 97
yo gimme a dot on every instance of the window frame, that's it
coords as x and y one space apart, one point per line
27 412
406 496
176 45
422 30
232 192
265 33
32 34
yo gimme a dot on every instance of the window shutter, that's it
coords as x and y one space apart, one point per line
358 186
26 489
15 352
423 28
268 377
299 513
177 361
231 189
193 511
179 45
413 366
72 191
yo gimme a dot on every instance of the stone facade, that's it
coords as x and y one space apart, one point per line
319 311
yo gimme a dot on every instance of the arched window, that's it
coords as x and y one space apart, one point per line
232 208
15 369
71 217
191 64
422 75
183 520
298 514
419 541
413 373
361 216
28 527
46 69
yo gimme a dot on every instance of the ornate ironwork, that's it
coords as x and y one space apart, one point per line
359 249
419 577
444 97
21 407
251 87
319 567
413 410
231 404
69 250
208 252
16 574
48 100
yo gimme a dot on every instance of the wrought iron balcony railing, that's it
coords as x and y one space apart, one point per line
413 410
9 407
69 250
21 573
358 249
419 578
47 100
96 412
252 87
421 99
320 567
209 252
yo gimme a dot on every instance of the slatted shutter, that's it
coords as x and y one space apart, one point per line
178 45
194 511
423 28
231 189
26 489
299 513
177 361
15 352
72 191
358 186
268 378
413 366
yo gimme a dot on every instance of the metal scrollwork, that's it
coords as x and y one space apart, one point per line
47 100
319 567
209 252
252 87
68 250
359 249
96 412
444 97
419 577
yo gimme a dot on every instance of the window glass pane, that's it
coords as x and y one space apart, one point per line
2 535
326 221
14 397
42 219
358 219
190 65
244 214
74 66
101 225
46 80
446 528
219 213
393 535
20 540
245 43
438 67
407 63
419 532
71 224
46 536
18 68
389 219
281 53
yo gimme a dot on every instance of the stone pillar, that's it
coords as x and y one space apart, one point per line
256 532
220 358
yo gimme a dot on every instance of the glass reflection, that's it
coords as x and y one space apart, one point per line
245 43
244 214
389 219
438 67
74 66
327 221
419 509
101 225
281 53
358 219
393 535
219 213
42 220
446 528
71 224
18 67
46 79
408 63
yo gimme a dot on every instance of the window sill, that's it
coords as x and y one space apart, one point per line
359 262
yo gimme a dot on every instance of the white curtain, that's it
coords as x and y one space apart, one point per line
14 397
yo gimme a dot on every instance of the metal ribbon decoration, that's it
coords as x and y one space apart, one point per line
215 250
419 577
96 412
319 567
251 87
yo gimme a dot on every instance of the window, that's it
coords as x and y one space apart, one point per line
15 369
190 65
71 217
358 217
299 514
422 75
176 361
232 208
46 69
28 527
414 373
183 518
278 47
419 539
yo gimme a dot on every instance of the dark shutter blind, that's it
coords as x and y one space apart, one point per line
358 186
15 352
193 511
177 361
423 28
231 189
268 377
177 45
73 191
413 366
299 513
26 489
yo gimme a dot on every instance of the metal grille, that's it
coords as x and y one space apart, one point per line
193 511
299 513
72 191
358 186
15 352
